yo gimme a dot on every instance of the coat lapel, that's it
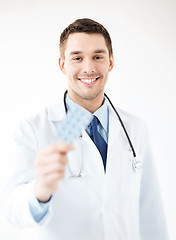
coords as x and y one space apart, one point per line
117 148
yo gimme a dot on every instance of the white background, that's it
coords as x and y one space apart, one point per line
142 82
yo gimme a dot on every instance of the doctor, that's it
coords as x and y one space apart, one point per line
113 198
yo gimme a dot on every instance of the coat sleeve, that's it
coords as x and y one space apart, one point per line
151 212
21 184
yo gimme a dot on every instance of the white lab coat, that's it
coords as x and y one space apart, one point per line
119 205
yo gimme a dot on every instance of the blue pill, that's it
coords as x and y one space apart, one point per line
81 114
63 128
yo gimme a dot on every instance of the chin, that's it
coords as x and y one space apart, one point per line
90 96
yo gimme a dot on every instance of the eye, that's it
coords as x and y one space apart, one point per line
98 57
77 59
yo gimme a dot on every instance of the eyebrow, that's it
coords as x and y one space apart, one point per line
100 51
80 52
75 52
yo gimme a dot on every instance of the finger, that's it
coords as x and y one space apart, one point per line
47 160
63 148
50 169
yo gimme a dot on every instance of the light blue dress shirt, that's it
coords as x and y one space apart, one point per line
38 209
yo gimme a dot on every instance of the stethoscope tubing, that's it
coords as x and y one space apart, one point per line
121 122
123 126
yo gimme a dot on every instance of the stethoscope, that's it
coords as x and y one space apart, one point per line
136 164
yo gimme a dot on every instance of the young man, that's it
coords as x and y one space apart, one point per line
111 195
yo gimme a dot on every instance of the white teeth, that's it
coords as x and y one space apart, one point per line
88 80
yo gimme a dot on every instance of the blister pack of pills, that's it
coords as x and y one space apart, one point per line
76 121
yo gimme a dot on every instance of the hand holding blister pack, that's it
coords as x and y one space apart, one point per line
77 120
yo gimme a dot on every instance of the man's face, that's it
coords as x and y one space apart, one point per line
86 65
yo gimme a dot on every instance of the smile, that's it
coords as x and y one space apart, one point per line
88 81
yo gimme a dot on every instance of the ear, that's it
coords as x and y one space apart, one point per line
111 63
62 64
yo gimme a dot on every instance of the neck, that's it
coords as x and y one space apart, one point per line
89 104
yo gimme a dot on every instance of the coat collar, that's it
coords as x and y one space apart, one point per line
56 112
123 114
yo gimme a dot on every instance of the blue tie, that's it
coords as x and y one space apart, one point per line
98 140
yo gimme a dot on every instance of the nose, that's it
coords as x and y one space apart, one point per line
88 67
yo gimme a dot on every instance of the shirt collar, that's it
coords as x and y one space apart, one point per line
102 115
71 104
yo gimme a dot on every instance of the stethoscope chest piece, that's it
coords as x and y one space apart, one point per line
137 164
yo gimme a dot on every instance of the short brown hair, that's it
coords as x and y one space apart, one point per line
84 25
